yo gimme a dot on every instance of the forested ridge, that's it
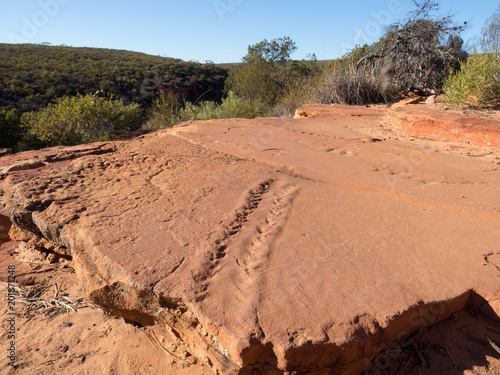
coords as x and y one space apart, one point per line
31 76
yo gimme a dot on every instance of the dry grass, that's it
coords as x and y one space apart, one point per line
347 85
38 300
294 96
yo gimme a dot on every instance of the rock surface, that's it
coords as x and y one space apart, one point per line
437 124
302 245
5 151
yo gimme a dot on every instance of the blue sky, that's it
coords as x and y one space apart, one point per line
217 30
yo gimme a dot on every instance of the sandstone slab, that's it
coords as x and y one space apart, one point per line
447 126
303 245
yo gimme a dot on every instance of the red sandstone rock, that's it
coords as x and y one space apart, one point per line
431 100
412 100
447 126
30 164
7 247
302 114
273 244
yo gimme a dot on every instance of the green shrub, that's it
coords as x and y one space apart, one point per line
235 107
203 111
295 95
10 129
164 112
254 80
167 111
476 84
80 119
232 106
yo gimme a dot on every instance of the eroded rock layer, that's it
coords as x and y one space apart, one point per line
420 121
302 245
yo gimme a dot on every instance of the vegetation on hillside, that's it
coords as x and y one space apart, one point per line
32 76
40 78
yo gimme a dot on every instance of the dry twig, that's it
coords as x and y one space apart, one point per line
448 351
494 346
47 306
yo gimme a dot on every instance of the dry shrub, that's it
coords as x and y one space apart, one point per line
348 85
295 95
164 112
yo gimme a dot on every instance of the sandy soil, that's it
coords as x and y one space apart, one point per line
90 342
83 342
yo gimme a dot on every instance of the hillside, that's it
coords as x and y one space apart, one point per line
32 75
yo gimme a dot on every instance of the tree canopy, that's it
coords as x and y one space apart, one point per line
265 71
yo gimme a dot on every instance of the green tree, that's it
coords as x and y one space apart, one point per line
275 54
264 71
490 35
253 81
80 119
